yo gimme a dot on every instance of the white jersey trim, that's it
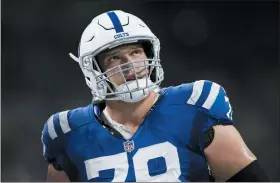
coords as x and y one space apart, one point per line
63 121
196 92
51 129
214 91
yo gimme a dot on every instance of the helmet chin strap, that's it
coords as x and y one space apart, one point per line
134 96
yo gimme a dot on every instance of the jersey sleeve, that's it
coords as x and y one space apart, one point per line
213 107
212 98
52 139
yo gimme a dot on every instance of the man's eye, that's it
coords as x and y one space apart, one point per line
136 52
114 58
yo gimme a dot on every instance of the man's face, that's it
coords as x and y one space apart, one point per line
124 55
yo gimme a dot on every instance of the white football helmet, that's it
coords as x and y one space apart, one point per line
109 30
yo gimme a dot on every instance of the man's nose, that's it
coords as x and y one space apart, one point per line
126 62
127 58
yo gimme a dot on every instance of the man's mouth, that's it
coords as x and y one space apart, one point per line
132 77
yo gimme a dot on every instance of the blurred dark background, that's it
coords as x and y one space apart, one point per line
232 43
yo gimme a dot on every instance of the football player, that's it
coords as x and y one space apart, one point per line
131 131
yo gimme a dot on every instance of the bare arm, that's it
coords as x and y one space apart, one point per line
56 176
228 153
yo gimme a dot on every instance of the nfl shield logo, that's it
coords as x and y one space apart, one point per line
128 146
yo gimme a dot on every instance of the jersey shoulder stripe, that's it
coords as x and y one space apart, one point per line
204 94
63 121
66 121
57 123
196 92
50 128
210 96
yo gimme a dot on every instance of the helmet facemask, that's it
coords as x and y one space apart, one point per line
143 81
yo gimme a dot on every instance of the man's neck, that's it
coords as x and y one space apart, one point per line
131 114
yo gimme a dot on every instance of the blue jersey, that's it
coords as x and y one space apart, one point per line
168 145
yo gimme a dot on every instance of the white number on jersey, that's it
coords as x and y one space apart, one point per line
140 160
229 113
117 161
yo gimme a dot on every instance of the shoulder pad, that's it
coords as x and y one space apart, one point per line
63 122
177 94
212 97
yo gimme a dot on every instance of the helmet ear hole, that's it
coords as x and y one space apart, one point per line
148 48
99 59
153 75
